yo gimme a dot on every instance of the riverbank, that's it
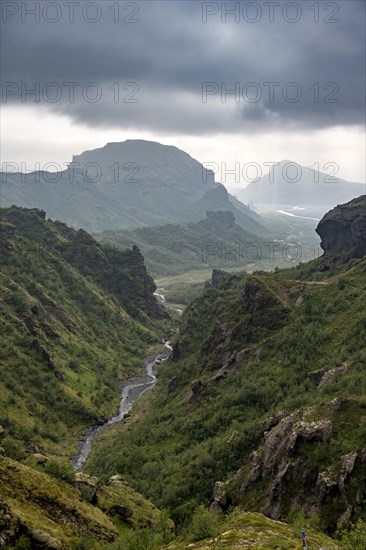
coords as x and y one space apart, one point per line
131 390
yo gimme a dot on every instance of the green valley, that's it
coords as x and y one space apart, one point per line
245 440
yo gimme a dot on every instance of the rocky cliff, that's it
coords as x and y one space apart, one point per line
343 233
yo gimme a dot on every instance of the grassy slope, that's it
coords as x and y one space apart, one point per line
73 324
182 445
30 499
251 530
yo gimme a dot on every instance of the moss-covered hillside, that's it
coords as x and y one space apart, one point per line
76 318
267 378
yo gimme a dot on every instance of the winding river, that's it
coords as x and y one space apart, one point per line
131 390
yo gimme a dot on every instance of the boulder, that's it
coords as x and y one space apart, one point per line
43 539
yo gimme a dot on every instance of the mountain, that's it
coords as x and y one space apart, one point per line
124 185
76 317
262 405
171 249
292 184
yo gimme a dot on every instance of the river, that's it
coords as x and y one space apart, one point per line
131 390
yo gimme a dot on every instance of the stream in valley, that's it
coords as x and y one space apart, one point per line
131 390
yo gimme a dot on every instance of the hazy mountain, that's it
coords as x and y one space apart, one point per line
171 249
292 184
122 185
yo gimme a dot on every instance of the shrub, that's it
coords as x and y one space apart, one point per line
13 448
23 543
204 524
60 470
355 539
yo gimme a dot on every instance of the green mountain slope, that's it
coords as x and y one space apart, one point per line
76 318
46 512
265 391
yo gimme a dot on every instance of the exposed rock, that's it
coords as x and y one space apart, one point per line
222 279
88 484
242 355
331 374
299 301
42 538
338 403
32 447
39 458
295 294
116 480
221 373
46 356
343 233
277 461
331 487
10 525
122 511
274 420
196 388
316 376
173 384
85 479
220 500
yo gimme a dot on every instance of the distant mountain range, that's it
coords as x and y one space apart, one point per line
125 185
292 184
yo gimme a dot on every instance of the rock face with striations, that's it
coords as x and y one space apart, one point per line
285 472
343 233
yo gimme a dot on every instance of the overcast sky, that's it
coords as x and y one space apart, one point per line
269 81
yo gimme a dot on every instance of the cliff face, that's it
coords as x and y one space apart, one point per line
285 471
343 233
119 271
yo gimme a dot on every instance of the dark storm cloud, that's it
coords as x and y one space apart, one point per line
305 74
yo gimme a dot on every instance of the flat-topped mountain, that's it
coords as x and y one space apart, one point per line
292 184
124 185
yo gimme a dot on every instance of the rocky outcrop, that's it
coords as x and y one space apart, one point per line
322 377
343 233
173 384
220 500
196 388
280 470
331 374
10 525
43 539
47 358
